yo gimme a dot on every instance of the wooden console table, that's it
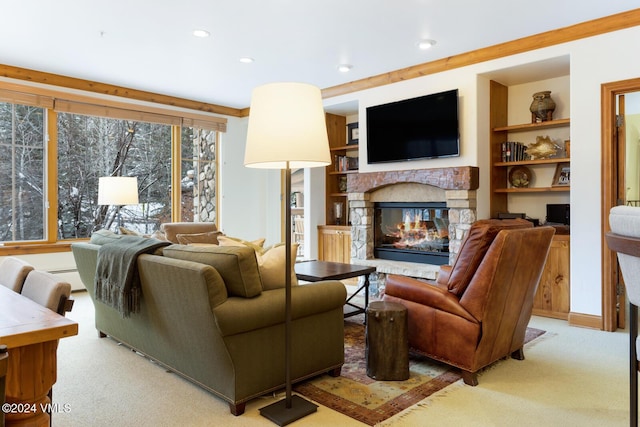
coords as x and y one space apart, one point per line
315 271
31 333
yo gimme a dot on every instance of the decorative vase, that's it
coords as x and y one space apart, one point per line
542 107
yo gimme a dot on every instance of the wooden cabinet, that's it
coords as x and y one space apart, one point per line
334 243
552 297
344 162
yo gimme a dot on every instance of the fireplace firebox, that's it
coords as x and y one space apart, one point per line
413 232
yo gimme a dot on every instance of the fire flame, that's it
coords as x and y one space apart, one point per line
416 233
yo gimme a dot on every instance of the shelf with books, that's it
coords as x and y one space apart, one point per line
344 161
533 162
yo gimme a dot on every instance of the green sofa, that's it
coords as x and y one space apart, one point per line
204 315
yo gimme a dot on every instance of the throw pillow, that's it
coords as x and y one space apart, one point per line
210 237
271 263
257 245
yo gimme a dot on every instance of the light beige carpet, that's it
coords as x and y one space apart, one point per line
572 377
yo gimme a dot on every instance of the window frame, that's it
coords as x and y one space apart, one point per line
110 106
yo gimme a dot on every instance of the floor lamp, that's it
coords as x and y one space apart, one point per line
118 191
286 131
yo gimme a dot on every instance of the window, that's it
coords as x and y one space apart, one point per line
90 147
55 150
22 169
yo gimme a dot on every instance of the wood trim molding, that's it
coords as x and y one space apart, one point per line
561 35
37 248
41 77
550 38
609 194
590 321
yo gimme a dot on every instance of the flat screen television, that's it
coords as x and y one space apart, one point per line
418 128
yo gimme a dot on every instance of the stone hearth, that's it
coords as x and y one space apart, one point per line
456 186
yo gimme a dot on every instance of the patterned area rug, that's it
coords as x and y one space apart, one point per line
369 401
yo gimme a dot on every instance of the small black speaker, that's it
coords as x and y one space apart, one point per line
558 213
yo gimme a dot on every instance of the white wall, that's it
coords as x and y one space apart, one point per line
249 197
593 61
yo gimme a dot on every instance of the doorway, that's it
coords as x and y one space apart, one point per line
620 183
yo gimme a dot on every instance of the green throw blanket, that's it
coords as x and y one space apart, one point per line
117 281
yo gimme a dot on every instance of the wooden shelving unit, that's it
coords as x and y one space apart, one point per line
334 240
337 132
552 297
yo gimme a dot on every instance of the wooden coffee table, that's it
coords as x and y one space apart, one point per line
315 271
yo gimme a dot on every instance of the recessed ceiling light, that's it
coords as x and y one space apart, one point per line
246 60
201 33
426 44
344 68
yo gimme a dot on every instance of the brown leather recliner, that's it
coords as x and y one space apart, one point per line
478 310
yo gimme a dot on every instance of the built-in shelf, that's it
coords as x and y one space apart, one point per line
531 126
343 172
532 189
534 162
344 148
552 296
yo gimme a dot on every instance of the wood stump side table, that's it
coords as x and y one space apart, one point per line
387 342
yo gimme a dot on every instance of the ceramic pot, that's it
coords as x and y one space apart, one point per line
542 107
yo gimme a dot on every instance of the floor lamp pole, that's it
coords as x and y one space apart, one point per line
292 408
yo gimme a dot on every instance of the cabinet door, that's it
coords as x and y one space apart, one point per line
552 297
334 244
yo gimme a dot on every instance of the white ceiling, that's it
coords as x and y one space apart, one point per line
147 45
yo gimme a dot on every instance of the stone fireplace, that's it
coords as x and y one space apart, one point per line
455 187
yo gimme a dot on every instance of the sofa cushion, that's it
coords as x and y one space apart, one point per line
474 247
236 264
171 229
210 237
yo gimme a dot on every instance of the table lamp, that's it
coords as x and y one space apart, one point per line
118 191
287 130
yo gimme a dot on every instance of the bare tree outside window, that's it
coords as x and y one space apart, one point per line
90 147
22 165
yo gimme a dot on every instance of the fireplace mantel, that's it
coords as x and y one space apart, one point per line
458 184
455 178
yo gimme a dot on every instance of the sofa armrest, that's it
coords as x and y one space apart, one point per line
238 315
427 294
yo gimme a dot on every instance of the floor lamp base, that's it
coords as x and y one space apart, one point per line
281 415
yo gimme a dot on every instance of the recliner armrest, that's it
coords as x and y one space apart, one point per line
443 275
427 294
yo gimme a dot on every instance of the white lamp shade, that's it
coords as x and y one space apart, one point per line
118 190
286 127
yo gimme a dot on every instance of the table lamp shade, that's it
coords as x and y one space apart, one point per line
118 190
287 127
